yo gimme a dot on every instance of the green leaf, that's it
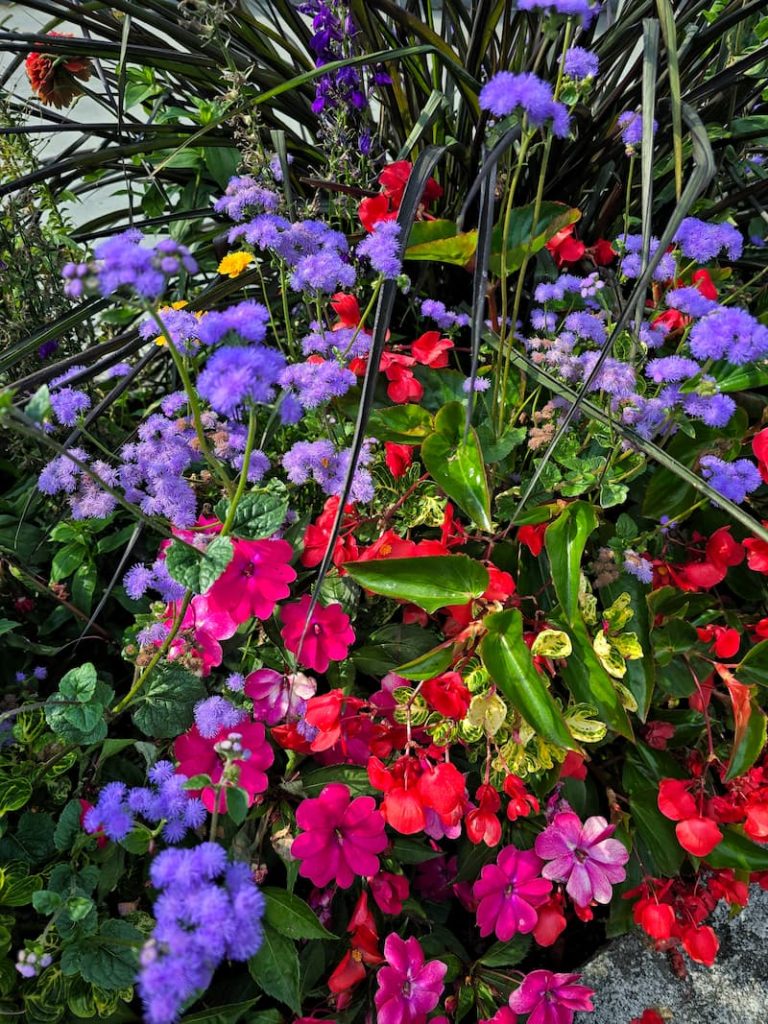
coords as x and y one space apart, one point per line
750 744
79 684
407 850
508 660
430 583
588 681
228 1015
68 827
428 665
438 241
506 954
456 465
753 667
291 916
109 959
520 240
6 625
198 570
392 645
656 831
237 804
83 587
402 424
258 514
565 541
165 707
640 679
737 851
66 560
353 776
275 969
14 793
676 637
18 890
75 722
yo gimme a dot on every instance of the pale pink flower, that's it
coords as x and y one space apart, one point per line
551 998
584 856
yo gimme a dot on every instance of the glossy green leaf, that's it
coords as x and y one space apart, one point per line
641 672
457 466
506 656
291 916
430 583
753 667
749 744
428 665
354 777
737 851
521 240
438 241
565 541
656 832
589 683
275 969
14 793
402 424
395 644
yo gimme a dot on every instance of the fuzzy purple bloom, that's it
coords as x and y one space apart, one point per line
689 301
734 480
729 333
631 124
669 369
580 63
568 8
216 713
507 92
246 319
702 241
315 383
244 198
382 248
234 376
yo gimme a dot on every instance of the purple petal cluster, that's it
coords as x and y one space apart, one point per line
244 197
408 988
669 369
584 856
151 473
125 262
216 713
557 290
631 264
507 92
277 695
445 318
580 63
342 343
729 333
247 320
315 383
209 910
181 329
382 248
701 241
319 461
734 480
631 125
689 301
87 500
568 8
234 376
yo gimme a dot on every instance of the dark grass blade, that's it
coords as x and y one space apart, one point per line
704 169
650 73
480 281
489 167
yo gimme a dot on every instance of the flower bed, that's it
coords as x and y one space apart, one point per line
409 631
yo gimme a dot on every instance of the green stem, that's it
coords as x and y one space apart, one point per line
161 653
286 310
243 481
364 316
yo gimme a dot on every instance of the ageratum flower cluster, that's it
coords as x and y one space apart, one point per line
208 910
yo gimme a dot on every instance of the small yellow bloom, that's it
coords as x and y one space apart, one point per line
234 263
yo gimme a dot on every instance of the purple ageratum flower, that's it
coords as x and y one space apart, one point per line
315 383
615 377
713 410
557 290
580 63
638 566
124 262
508 893
435 310
541 320
507 92
551 998
181 327
87 500
408 988
631 264
584 856
244 197
382 248
734 480
568 8
689 301
480 384
631 124
247 320
234 376
701 241
214 714
669 369
729 333
110 813
320 461
67 404
587 325
209 910
277 695
323 271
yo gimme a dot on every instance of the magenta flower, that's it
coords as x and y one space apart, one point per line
277 695
551 998
201 630
509 892
243 751
408 988
341 837
583 856
327 638
255 580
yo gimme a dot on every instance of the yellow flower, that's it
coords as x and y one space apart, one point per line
234 263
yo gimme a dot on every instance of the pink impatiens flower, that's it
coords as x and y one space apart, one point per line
202 629
551 998
408 988
584 856
509 892
341 838
243 751
277 695
255 580
327 638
